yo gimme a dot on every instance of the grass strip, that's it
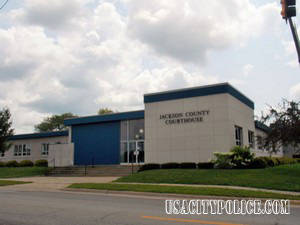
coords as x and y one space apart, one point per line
16 172
11 182
184 190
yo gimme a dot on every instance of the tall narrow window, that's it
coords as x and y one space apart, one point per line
251 139
238 136
18 150
45 148
26 150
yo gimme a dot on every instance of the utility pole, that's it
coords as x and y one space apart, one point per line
288 11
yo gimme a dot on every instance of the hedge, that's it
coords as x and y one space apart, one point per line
25 163
149 166
171 165
41 163
2 164
187 165
12 163
206 165
258 163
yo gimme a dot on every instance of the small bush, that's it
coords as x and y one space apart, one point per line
258 163
241 157
41 163
223 160
2 164
187 165
171 165
12 163
149 166
270 161
25 163
206 165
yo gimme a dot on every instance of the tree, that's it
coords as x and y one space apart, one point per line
104 111
53 123
284 126
5 129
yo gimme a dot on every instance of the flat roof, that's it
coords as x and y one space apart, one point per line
105 118
199 91
39 135
261 126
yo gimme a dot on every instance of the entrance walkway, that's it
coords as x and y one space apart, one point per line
54 183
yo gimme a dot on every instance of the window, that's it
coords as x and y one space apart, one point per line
132 135
22 150
251 139
2 154
18 150
238 136
45 148
26 150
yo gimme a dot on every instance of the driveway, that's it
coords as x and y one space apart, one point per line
54 183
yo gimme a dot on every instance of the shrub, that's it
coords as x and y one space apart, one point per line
25 163
206 165
149 166
223 160
187 165
241 157
41 163
258 163
270 161
171 165
12 163
2 164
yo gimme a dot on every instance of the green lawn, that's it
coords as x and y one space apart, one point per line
21 172
11 182
183 190
285 177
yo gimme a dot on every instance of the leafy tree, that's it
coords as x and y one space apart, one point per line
284 126
104 111
5 129
53 123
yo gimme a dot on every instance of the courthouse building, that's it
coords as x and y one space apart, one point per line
185 125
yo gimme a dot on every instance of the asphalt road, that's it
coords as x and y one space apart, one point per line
55 208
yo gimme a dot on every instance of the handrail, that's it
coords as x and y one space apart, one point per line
52 160
47 167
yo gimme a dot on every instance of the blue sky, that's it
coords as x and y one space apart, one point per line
79 56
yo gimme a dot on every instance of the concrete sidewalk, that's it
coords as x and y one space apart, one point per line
53 183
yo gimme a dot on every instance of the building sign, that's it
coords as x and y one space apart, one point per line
187 117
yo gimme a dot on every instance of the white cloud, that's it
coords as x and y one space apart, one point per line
247 69
295 92
63 56
188 29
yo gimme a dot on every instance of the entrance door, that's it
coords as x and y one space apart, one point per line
140 156
136 152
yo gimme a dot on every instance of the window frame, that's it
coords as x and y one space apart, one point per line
45 151
238 136
251 139
21 150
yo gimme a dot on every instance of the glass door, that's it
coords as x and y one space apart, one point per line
140 152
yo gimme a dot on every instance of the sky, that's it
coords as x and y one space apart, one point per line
81 55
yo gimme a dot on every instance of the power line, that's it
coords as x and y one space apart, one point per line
4 4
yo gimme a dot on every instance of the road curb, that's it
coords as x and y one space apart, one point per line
165 195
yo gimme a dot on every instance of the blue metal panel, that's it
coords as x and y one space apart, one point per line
105 118
39 135
197 92
97 143
261 126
